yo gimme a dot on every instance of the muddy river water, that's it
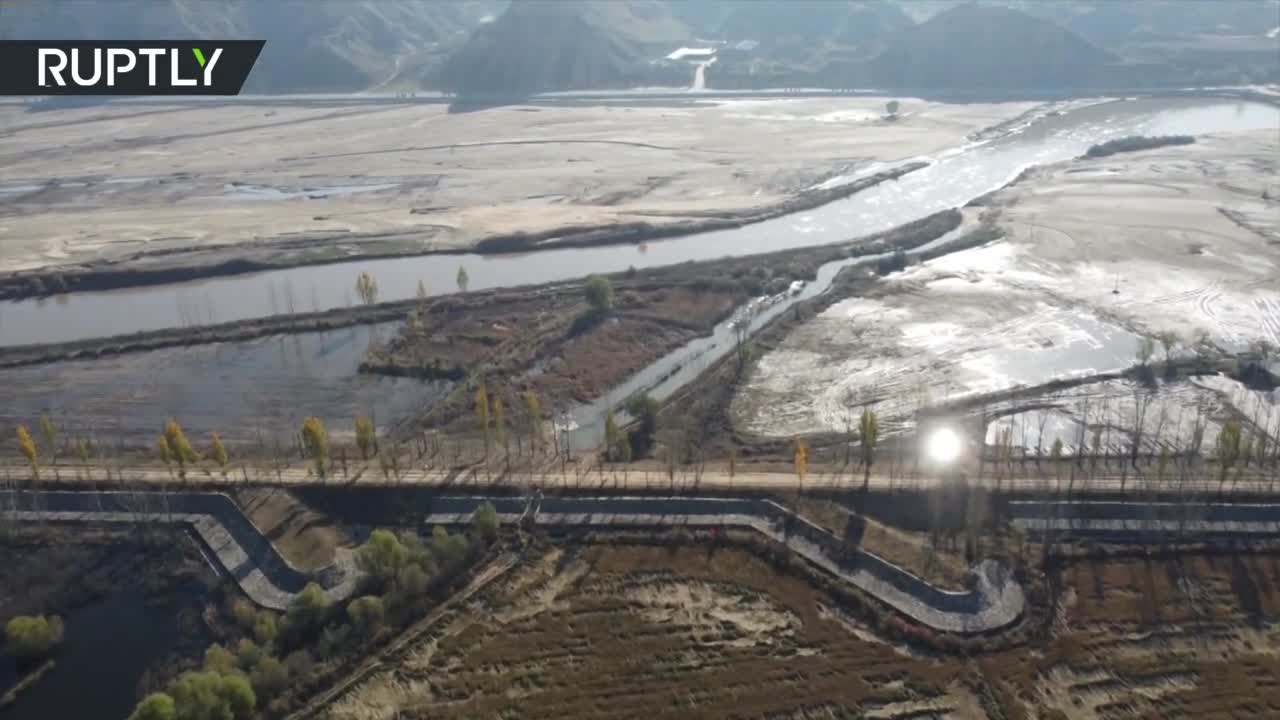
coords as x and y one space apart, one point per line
953 178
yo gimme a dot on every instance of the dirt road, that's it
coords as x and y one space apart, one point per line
1251 482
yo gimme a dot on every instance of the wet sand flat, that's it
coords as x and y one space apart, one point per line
1096 254
112 182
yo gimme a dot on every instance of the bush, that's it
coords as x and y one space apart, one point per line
248 654
366 613
264 628
299 663
220 660
599 293
156 706
585 321
269 677
207 694
645 411
485 521
243 611
33 636
1134 143
305 616
382 557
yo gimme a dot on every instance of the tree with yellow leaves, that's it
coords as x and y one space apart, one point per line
801 461
482 413
49 431
500 423
29 451
366 437
533 407
315 440
218 452
868 434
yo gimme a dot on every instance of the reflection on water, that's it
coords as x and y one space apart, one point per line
237 389
952 180
109 645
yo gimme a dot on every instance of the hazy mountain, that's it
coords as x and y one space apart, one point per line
528 46
984 47
560 45
773 22
311 44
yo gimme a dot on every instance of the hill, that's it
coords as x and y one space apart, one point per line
991 48
548 46
312 45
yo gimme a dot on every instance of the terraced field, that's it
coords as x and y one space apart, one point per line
631 631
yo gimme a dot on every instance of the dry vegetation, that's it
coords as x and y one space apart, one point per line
629 631
533 337
307 539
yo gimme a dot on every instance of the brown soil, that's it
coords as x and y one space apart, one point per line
907 549
309 540
640 631
643 631
540 340
1158 638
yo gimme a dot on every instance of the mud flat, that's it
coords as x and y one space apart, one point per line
183 185
1097 253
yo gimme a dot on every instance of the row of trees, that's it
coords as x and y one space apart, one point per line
367 286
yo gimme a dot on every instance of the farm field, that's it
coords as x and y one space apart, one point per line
643 631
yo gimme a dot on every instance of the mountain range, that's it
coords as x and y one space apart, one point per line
518 47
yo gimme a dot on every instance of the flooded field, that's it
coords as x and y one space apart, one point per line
263 388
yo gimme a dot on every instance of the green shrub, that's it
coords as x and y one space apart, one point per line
156 706
208 694
366 613
33 636
269 677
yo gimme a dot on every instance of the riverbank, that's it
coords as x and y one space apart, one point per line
144 270
142 589
1164 244
182 207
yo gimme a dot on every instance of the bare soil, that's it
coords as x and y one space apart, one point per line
641 631
308 539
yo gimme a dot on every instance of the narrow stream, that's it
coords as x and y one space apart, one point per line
954 178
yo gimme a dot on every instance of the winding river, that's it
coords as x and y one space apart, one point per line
952 179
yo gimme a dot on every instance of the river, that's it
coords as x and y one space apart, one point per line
953 178
108 647
251 384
